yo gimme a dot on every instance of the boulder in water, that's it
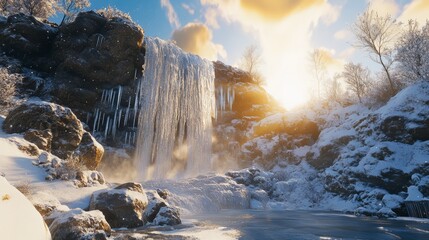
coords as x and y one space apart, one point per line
167 216
123 206
155 204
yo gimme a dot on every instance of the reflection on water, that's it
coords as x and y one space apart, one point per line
254 224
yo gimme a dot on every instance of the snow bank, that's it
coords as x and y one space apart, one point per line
18 218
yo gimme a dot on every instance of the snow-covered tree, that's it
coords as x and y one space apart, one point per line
333 89
38 8
413 52
111 12
70 8
7 85
377 34
4 7
357 78
318 64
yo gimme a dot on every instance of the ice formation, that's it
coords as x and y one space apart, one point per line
112 116
176 107
225 96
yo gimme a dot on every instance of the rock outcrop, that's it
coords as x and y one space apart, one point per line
66 129
27 38
56 128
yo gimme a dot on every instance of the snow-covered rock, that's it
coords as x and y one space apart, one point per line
66 128
414 194
167 216
79 224
18 217
44 202
123 206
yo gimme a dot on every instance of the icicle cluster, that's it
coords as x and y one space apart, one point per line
110 116
177 105
225 96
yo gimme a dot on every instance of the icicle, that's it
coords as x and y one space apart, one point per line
127 112
126 138
102 121
111 96
114 124
119 97
94 127
136 103
119 118
106 130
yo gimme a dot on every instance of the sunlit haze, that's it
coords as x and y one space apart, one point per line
285 31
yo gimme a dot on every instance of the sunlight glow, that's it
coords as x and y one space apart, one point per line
290 97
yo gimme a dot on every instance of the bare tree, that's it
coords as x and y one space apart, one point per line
71 7
377 35
357 78
413 52
319 66
251 61
333 88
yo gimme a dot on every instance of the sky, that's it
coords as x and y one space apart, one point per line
285 32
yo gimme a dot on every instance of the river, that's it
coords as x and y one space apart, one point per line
300 225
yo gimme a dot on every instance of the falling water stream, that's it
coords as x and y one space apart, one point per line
176 108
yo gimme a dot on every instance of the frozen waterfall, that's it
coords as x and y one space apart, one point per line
177 103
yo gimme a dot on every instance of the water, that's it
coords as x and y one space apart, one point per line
176 108
301 225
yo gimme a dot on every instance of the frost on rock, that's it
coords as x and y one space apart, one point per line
177 102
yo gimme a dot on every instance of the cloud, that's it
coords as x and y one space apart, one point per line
277 9
417 10
283 30
342 34
196 38
171 14
331 13
188 8
347 53
211 18
385 6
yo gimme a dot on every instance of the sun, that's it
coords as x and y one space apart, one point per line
289 94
